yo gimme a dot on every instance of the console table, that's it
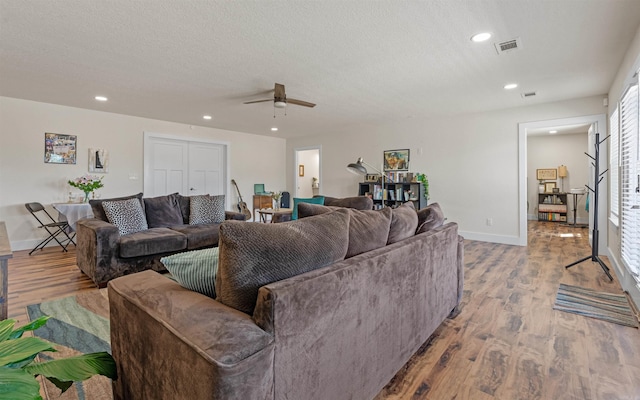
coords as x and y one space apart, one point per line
261 201
5 255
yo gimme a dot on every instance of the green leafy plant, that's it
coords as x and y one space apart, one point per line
18 369
423 178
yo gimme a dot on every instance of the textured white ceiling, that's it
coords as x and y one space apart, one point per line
361 62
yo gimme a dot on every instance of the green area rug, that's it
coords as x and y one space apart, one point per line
589 303
78 324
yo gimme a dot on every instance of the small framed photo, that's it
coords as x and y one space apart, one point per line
549 186
546 174
300 170
98 160
396 160
371 178
59 149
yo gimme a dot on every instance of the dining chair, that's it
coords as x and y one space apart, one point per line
53 228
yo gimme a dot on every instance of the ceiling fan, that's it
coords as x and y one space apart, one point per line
280 99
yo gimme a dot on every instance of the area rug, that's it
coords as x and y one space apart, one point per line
79 325
589 303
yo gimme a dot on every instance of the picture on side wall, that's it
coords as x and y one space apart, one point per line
59 149
98 160
396 160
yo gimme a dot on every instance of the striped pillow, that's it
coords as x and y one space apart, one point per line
195 270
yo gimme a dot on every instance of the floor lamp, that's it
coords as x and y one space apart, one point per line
562 173
359 168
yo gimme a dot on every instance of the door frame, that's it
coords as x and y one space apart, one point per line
148 136
296 163
600 121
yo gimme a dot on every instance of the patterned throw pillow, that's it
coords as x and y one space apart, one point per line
206 209
127 215
195 270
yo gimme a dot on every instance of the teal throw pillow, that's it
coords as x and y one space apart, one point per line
195 270
296 201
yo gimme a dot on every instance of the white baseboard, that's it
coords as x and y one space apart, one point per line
486 237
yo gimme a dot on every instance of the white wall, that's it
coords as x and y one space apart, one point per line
550 151
24 177
471 160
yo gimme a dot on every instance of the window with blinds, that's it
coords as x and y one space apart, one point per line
630 181
613 167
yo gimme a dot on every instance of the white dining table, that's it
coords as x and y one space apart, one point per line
72 212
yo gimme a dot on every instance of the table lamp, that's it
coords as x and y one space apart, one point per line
562 173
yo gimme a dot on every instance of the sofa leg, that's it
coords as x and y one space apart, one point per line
455 312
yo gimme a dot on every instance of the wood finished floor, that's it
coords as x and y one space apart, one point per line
506 343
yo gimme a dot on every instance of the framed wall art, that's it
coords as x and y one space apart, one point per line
396 160
544 174
300 170
98 160
549 186
59 149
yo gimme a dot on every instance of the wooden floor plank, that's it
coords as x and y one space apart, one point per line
506 343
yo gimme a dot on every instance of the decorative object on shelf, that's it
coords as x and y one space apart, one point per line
372 178
549 186
546 174
276 197
359 168
300 170
98 160
541 187
59 149
315 183
396 160
562 173
423 178
87 183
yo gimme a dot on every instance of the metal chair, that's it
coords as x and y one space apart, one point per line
53 228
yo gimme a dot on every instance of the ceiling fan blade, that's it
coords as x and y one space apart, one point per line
279 91
300 103
257 101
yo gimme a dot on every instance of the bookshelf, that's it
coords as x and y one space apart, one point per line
395 193
552 207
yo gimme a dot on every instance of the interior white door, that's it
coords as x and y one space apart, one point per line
206 168
166 167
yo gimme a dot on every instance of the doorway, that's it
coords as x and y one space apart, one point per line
596 124
189 167
307 172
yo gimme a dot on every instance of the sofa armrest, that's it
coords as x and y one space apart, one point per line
234 215
97 248
215 351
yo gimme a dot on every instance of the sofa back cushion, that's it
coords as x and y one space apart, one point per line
357 202
404 222
98 210
253 255
430 218
163 211
368 229
298 200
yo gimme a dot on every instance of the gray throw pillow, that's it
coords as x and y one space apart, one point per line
163 211
127 215
368 230
206 209
430 218
194 270
253 255
404 222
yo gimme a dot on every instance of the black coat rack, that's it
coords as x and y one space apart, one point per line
594 233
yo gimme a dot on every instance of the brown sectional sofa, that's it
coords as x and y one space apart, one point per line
104 254
339 331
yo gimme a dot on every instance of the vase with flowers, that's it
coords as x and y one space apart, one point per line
276 196
87 183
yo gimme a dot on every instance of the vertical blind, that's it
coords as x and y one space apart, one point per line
613 167
630 180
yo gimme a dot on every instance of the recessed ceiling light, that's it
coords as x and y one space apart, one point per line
274 129
510 86
101 98
480 37
552 132
207 116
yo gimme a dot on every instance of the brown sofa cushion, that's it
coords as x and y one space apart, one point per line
253 255
163 211
152 241
404 222
198 236
429 218
368 229
357 202
98 211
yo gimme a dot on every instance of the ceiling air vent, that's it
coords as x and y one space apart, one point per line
527 95
509 45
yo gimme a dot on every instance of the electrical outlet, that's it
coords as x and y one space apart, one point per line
489 221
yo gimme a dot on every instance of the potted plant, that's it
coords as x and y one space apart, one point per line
423 178
18 369
87 183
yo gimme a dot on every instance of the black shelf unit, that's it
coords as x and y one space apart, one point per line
393 191
552 207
